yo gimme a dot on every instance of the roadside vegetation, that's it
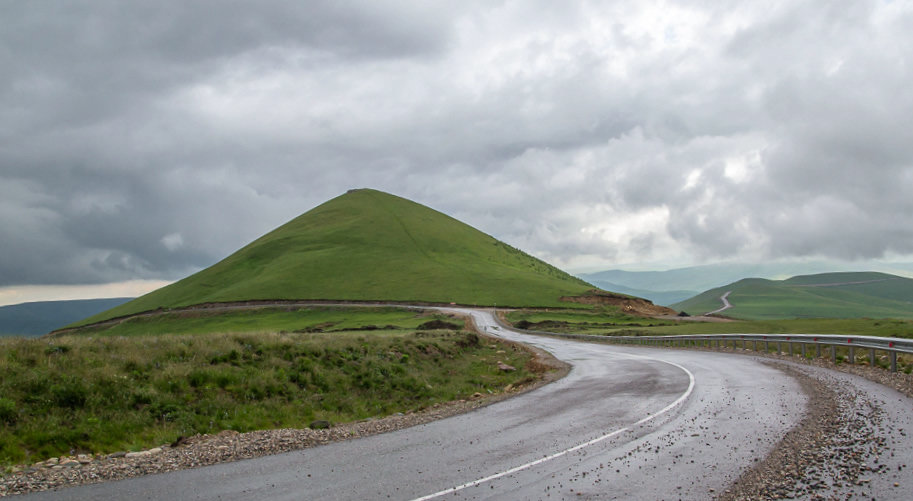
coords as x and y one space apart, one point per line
612 323
597 320
105 393
271 319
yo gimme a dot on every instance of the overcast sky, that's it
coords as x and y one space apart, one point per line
147 142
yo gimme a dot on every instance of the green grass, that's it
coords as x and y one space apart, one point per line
100 394
597 320
368 245
900 328
576 323
581 324
882 296
271 319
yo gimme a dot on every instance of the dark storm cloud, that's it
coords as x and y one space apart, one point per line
147 141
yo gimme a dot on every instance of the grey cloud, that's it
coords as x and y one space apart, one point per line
150 141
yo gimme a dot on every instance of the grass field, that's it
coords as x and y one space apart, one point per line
830 295
599 319
902 328
102 394
606 324
369 245
286 319
583 324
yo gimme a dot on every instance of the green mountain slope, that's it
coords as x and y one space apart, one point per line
368 245
827 295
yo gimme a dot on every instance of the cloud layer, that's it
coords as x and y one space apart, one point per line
148 142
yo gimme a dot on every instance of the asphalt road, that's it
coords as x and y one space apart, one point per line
626 423
726 305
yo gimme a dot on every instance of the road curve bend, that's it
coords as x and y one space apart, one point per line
626 423
726 304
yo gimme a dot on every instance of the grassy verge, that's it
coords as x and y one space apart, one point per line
851 326
597 320
107 393
608 323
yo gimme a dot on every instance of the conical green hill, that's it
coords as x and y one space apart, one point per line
367 245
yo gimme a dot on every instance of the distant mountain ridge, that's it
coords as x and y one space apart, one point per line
663 298
671 286
825 295
40 317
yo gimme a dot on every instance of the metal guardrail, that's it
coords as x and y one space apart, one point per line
892 346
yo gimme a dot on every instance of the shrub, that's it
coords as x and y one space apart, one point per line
69 393
8 413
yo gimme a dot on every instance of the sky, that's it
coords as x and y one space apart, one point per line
141 142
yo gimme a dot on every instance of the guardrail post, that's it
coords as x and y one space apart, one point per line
779 347
872 357
893 361
834 353
852 355
804 347
766 346
790 344
818 350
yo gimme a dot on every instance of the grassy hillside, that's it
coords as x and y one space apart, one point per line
368 245
828 295
310 319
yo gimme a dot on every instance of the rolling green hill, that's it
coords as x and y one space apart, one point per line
828 295
367 245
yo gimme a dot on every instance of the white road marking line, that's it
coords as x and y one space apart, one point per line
556 455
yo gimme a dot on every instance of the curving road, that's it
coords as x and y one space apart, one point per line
726 305
627 422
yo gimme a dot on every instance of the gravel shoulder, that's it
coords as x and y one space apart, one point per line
850 444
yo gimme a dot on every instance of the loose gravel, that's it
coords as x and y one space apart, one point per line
840 445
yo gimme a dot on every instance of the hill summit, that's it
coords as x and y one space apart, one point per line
367 245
